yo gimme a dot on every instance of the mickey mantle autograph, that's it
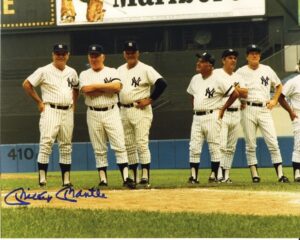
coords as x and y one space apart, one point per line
20 197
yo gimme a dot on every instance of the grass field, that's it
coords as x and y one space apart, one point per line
79 223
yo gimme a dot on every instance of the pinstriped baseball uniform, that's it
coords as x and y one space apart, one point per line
291 90
103 125
57 90
259 84
137 82
230 121
208 94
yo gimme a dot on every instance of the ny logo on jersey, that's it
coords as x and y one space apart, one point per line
265 81
106 80
209 93
72 83
136 82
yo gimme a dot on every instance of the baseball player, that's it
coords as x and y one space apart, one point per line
100 86
207 90
258 79
291 90
231 120
136 110
59 87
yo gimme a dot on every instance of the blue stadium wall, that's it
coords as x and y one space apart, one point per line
166 154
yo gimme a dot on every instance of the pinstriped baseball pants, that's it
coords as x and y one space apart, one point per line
56 124
252 119
229 136
296 130
104 126
207 128
136 124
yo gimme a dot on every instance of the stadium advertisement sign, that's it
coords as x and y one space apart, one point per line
72 12
27 14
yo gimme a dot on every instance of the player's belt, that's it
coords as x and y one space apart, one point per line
127 105
232 109
255 104
201 113
60 107
101 109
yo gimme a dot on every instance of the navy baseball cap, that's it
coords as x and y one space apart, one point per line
130 46
206 57
229 52
96 49
60 47
253 48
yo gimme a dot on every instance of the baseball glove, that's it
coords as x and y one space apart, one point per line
95 11
68 13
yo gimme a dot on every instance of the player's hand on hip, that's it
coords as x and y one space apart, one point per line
221 113
41 106
142 103
270 104
243 105
293 115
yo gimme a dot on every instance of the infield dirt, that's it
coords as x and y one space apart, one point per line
197 200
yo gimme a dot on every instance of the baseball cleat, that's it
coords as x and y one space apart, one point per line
67 185
297 179
145 182
102 184
42 184
220 180
129 183
193 181
228 180
212 180
256 179
283 179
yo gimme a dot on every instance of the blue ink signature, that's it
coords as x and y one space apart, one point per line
69 194
19 196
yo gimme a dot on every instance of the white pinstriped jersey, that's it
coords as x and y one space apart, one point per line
106 75
137 82
56 85
258 82
233 79
208 93
291 89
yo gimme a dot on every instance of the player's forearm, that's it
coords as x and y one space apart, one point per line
243 92
31 92
113 87
234 95
95 93
75 96
285 104
277 93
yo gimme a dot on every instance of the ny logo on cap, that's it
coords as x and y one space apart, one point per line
130 44
93 48
60 46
